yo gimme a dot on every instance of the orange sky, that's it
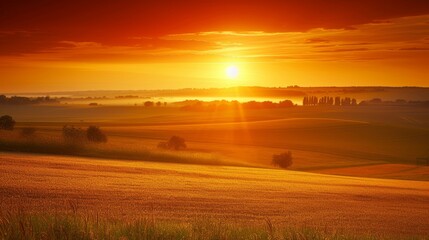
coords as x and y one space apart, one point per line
50 45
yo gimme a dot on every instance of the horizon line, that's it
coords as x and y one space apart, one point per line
214 88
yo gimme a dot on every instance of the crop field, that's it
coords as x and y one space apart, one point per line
355 174
382 142
130 190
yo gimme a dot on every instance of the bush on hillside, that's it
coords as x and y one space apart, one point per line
283 160
94 134
174 143
7 123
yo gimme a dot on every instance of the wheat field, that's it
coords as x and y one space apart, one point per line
131 190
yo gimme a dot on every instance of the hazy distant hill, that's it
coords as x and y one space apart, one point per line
361 93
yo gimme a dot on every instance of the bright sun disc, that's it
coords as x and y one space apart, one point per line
232 72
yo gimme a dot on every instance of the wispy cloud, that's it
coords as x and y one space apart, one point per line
398 38
379 40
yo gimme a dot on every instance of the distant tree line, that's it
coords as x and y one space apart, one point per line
152 104
328 101
221 105
126 97
70 133
338 101
16 100
397 102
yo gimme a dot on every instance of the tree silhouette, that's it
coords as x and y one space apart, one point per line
94 134
149 104
286 103
7 123
337 101
176 143
283 160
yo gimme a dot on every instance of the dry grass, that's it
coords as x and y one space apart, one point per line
73 226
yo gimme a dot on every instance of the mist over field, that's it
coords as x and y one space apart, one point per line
347 165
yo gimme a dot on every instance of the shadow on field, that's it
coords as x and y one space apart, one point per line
74 143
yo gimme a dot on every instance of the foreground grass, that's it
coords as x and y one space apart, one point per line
73 226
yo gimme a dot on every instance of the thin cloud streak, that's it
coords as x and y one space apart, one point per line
394 38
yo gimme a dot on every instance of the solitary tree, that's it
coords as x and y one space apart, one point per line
176 143
283 160
7 122
94 134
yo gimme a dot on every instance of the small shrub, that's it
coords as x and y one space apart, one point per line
174 143
72 134
28 132
283 160
94 134
7 123
149 104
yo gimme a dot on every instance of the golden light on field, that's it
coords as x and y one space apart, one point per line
232 72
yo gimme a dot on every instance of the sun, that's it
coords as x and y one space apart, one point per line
231 72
